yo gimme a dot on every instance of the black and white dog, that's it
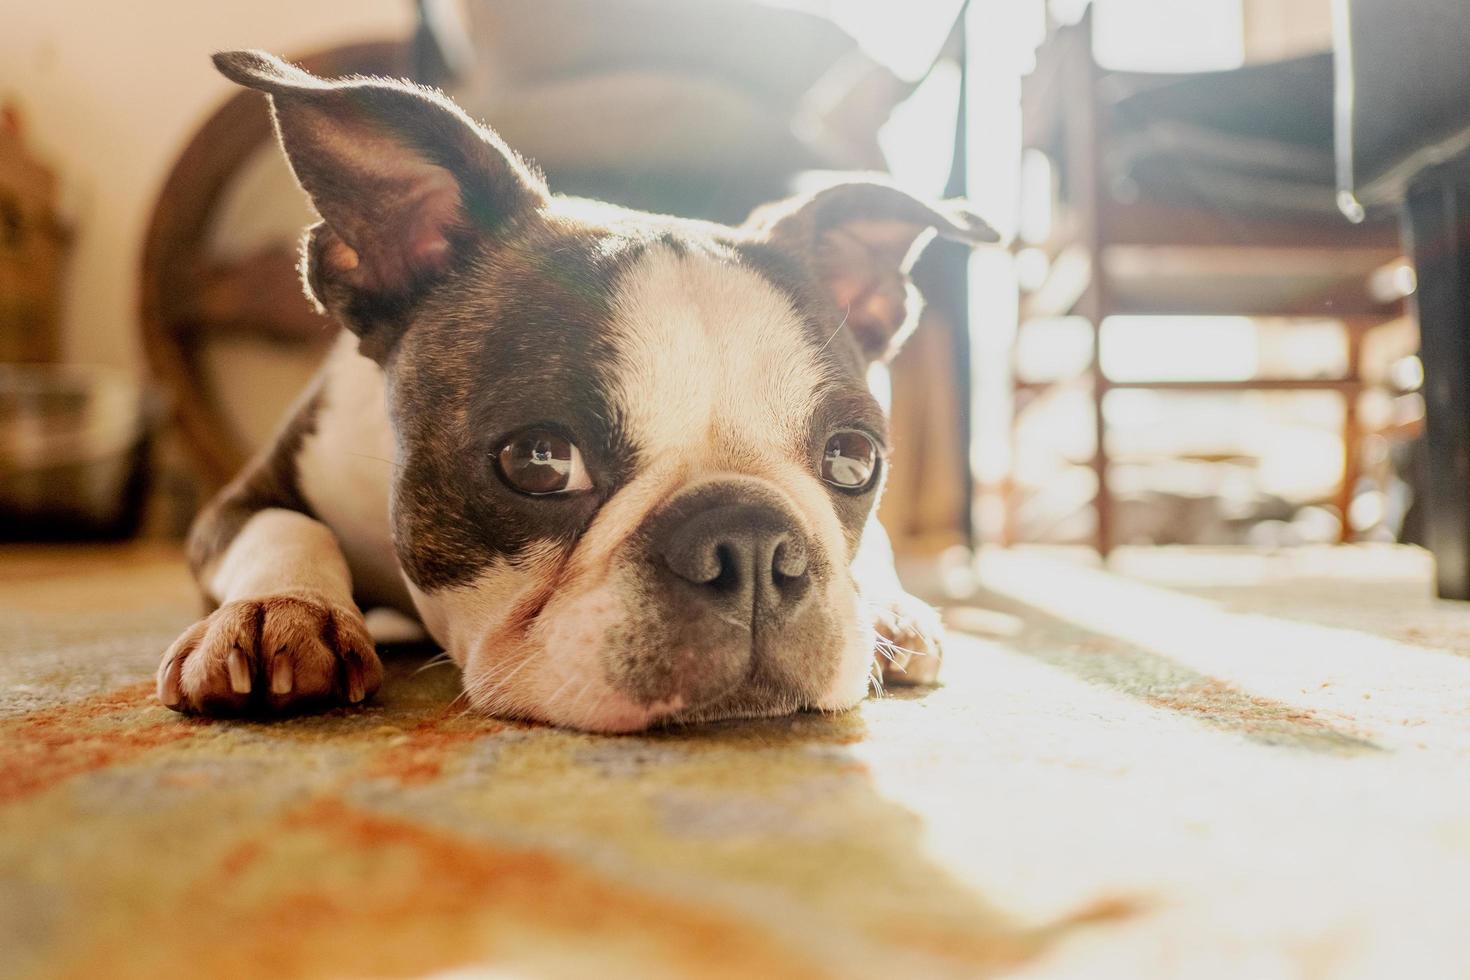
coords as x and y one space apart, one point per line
633 458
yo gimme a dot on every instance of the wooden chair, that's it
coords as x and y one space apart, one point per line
1145 247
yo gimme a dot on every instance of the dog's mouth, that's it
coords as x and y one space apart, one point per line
739 705
634 688
619 715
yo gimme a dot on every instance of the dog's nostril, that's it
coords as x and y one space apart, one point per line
789 560
728 578
742 556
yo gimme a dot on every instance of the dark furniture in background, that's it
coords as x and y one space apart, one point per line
33 247
1403 144
1189 195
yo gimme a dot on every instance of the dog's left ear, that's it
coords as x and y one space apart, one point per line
860 239
405 182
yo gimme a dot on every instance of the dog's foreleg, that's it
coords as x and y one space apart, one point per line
285 633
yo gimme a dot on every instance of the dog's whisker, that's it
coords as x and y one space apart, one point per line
581 697
442 660
493 690
557 693
505 681
886 645
875 681
393 463
497 672
469 704
845 314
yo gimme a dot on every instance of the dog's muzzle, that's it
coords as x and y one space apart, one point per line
728 572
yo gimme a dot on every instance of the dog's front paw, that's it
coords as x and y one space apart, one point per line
272 654
910 640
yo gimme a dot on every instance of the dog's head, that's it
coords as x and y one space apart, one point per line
635 454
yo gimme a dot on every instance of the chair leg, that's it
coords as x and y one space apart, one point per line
1010 488
1352 460
1351 465
1437 226
1102 501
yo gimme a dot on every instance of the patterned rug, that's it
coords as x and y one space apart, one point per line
1204 764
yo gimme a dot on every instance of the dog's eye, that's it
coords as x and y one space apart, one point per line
542 462
850 460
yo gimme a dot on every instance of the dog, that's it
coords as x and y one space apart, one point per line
622 467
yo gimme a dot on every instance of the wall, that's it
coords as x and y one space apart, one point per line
110 93
1283 28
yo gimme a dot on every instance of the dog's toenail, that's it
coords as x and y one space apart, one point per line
281 675
239 672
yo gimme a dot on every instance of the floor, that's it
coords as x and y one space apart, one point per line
1203 764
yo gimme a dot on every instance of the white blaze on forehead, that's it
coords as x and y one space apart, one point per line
705 344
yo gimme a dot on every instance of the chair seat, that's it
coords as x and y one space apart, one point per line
1215 281
1256 139
1403 110
1254 282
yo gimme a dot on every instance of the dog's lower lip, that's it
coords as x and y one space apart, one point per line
685 708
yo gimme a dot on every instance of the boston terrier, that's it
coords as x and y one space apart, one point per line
621 466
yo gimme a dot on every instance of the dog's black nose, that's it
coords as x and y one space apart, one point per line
748 559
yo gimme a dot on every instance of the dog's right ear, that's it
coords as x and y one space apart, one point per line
406 184
859 238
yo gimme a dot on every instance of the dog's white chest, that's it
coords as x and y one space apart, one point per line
345 471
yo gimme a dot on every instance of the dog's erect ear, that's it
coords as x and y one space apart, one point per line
860 239
404 181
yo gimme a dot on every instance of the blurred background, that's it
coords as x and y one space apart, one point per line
1202 331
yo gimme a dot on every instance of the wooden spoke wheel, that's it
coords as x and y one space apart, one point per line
190 300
